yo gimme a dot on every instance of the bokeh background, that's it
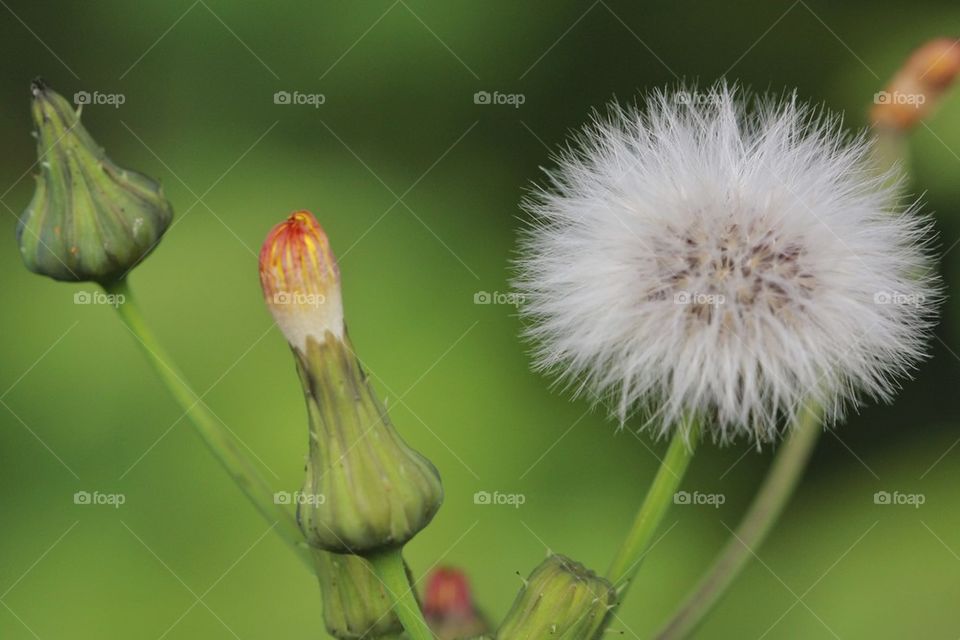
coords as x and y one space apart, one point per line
417 185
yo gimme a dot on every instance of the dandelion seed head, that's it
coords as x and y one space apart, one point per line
728 257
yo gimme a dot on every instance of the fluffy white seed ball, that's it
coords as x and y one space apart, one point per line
727 257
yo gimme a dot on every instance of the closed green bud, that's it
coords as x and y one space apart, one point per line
562 600
89 219
374 492
365 490
355 602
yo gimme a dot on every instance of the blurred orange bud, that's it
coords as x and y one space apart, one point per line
301 280
448 606
917 88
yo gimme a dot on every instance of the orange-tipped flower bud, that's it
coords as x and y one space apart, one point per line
366 490
916 89
301 280
449 608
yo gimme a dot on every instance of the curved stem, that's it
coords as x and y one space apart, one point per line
787 468
220 441
392 571
658 500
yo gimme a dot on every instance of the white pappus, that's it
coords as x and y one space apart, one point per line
725 256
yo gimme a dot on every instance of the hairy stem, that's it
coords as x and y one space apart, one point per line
773 495
392 571
220 441
658 500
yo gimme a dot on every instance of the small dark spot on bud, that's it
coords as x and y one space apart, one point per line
37 86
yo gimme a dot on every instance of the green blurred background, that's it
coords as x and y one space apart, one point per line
418 187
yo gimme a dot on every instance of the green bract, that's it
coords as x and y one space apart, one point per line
89 219
562 600
365 489
355 602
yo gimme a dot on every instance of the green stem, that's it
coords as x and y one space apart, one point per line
392 571
890 148
654 507
221 442
774 493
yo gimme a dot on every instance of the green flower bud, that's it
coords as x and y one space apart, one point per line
562 600
376 491
355 602
366 490
89 219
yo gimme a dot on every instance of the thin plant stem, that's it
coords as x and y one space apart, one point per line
392 571
889 150
220 441
776 490
658 500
